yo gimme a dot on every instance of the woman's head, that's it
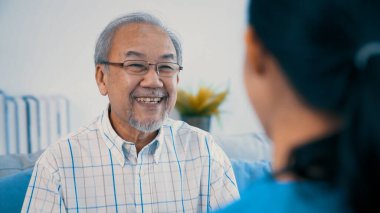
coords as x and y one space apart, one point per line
306 52
315 44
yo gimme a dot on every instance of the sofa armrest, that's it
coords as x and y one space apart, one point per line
13 189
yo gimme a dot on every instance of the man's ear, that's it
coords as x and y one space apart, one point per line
101 79
255 52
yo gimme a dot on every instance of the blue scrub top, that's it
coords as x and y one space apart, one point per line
269 195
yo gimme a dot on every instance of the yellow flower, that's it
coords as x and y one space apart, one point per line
204 103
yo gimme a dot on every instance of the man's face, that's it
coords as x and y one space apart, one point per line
142 102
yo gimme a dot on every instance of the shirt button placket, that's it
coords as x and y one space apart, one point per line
139 183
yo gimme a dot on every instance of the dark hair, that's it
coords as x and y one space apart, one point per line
316 43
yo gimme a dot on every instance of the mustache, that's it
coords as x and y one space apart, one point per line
149 92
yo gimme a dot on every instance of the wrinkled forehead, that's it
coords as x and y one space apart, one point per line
142 41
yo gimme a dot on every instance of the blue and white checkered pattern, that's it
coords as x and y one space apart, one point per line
94 170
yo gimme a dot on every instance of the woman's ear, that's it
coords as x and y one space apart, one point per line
101 78
255 52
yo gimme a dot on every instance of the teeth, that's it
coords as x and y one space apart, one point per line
149 100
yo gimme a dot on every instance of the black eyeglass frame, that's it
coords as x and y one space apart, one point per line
121 65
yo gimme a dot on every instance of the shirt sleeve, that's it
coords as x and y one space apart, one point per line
44 189
222 188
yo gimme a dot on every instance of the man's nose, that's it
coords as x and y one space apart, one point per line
151 78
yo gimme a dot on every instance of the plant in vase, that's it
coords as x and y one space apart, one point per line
197 109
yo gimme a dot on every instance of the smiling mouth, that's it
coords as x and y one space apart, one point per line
149 100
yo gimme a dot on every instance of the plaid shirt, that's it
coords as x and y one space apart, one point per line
94 170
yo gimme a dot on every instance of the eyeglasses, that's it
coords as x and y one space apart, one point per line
141 67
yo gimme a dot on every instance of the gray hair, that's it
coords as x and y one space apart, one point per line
104 42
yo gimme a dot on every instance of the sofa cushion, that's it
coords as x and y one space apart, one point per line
13 189
12 164
250 146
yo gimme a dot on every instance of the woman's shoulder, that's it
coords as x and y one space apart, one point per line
269 195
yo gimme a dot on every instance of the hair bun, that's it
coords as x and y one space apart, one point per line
365 53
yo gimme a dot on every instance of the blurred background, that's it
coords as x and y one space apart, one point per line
46 49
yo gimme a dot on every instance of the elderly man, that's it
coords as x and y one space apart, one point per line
133 158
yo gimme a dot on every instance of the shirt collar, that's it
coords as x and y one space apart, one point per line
115 143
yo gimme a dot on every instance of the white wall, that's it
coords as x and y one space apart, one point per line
46 47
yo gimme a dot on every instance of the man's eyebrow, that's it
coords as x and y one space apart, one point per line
168 56
138 54
134 53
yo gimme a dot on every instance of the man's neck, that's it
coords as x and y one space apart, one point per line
131 134
139 138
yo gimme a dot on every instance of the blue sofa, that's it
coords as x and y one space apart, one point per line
249 153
